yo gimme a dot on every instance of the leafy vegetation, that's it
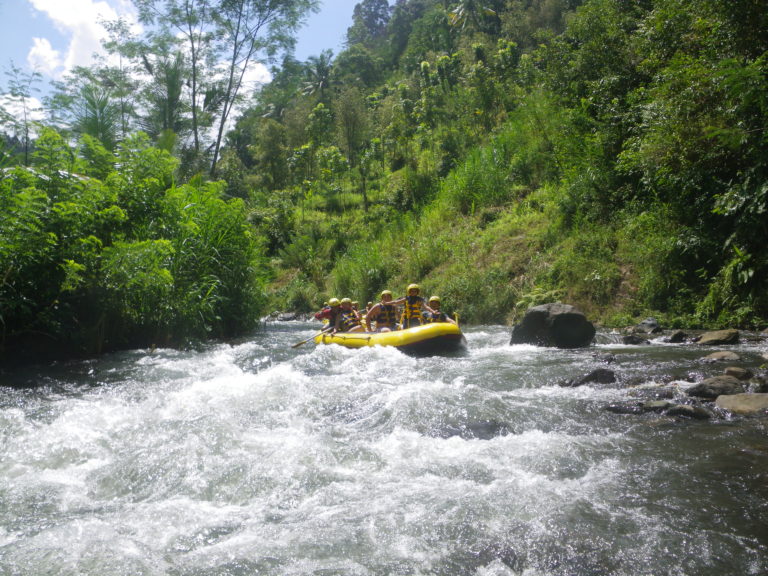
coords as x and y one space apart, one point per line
503 153
128 260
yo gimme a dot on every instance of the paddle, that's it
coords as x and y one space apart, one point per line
311 337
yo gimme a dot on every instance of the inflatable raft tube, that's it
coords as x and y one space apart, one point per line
426 340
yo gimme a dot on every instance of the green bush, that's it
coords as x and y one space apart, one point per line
87 266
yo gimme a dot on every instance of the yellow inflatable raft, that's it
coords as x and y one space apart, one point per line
426 340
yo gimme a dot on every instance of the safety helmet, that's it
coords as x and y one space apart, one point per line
434 299
346 301
355 303
333 302
413 287
386 293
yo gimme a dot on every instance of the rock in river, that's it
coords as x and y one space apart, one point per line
555 324
744 403
719 337
716 386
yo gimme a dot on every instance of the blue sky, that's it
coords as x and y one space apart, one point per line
54 35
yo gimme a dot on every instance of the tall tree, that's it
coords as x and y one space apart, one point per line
354 126
353 123
369 23
358 66
191 21
20 88
118 78
247 30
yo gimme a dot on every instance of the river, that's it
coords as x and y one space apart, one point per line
257 458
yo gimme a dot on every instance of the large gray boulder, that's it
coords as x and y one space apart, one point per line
556 324
744 403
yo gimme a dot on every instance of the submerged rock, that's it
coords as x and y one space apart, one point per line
634 339
722 356
556 324
653 392
716 386
608 358
688 411
759 384
739 373
598 376
624 408
481 430
660 407
656 406
677 337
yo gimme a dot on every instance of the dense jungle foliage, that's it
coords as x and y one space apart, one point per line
502 153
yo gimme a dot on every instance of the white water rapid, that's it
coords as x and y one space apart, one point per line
256 458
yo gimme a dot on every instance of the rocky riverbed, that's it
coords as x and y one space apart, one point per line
719 384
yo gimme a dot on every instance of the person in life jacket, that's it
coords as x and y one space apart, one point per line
436 315
414 307
347 319
384 313
329 311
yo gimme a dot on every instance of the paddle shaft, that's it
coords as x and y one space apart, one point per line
311 337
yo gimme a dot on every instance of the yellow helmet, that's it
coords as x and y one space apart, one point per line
434 299
346 301
413 287
333 302
386 293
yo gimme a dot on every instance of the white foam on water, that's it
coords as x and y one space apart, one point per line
346 462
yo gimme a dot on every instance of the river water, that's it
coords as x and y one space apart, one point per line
257 458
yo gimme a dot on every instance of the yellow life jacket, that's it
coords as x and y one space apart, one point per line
387 316
438 317
348 320
412 315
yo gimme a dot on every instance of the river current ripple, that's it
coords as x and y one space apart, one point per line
257 458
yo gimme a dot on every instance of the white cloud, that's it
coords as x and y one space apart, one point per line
34 110
43 58
255 77
79 21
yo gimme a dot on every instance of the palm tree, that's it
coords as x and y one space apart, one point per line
318 73
470 12
164 99
98 116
